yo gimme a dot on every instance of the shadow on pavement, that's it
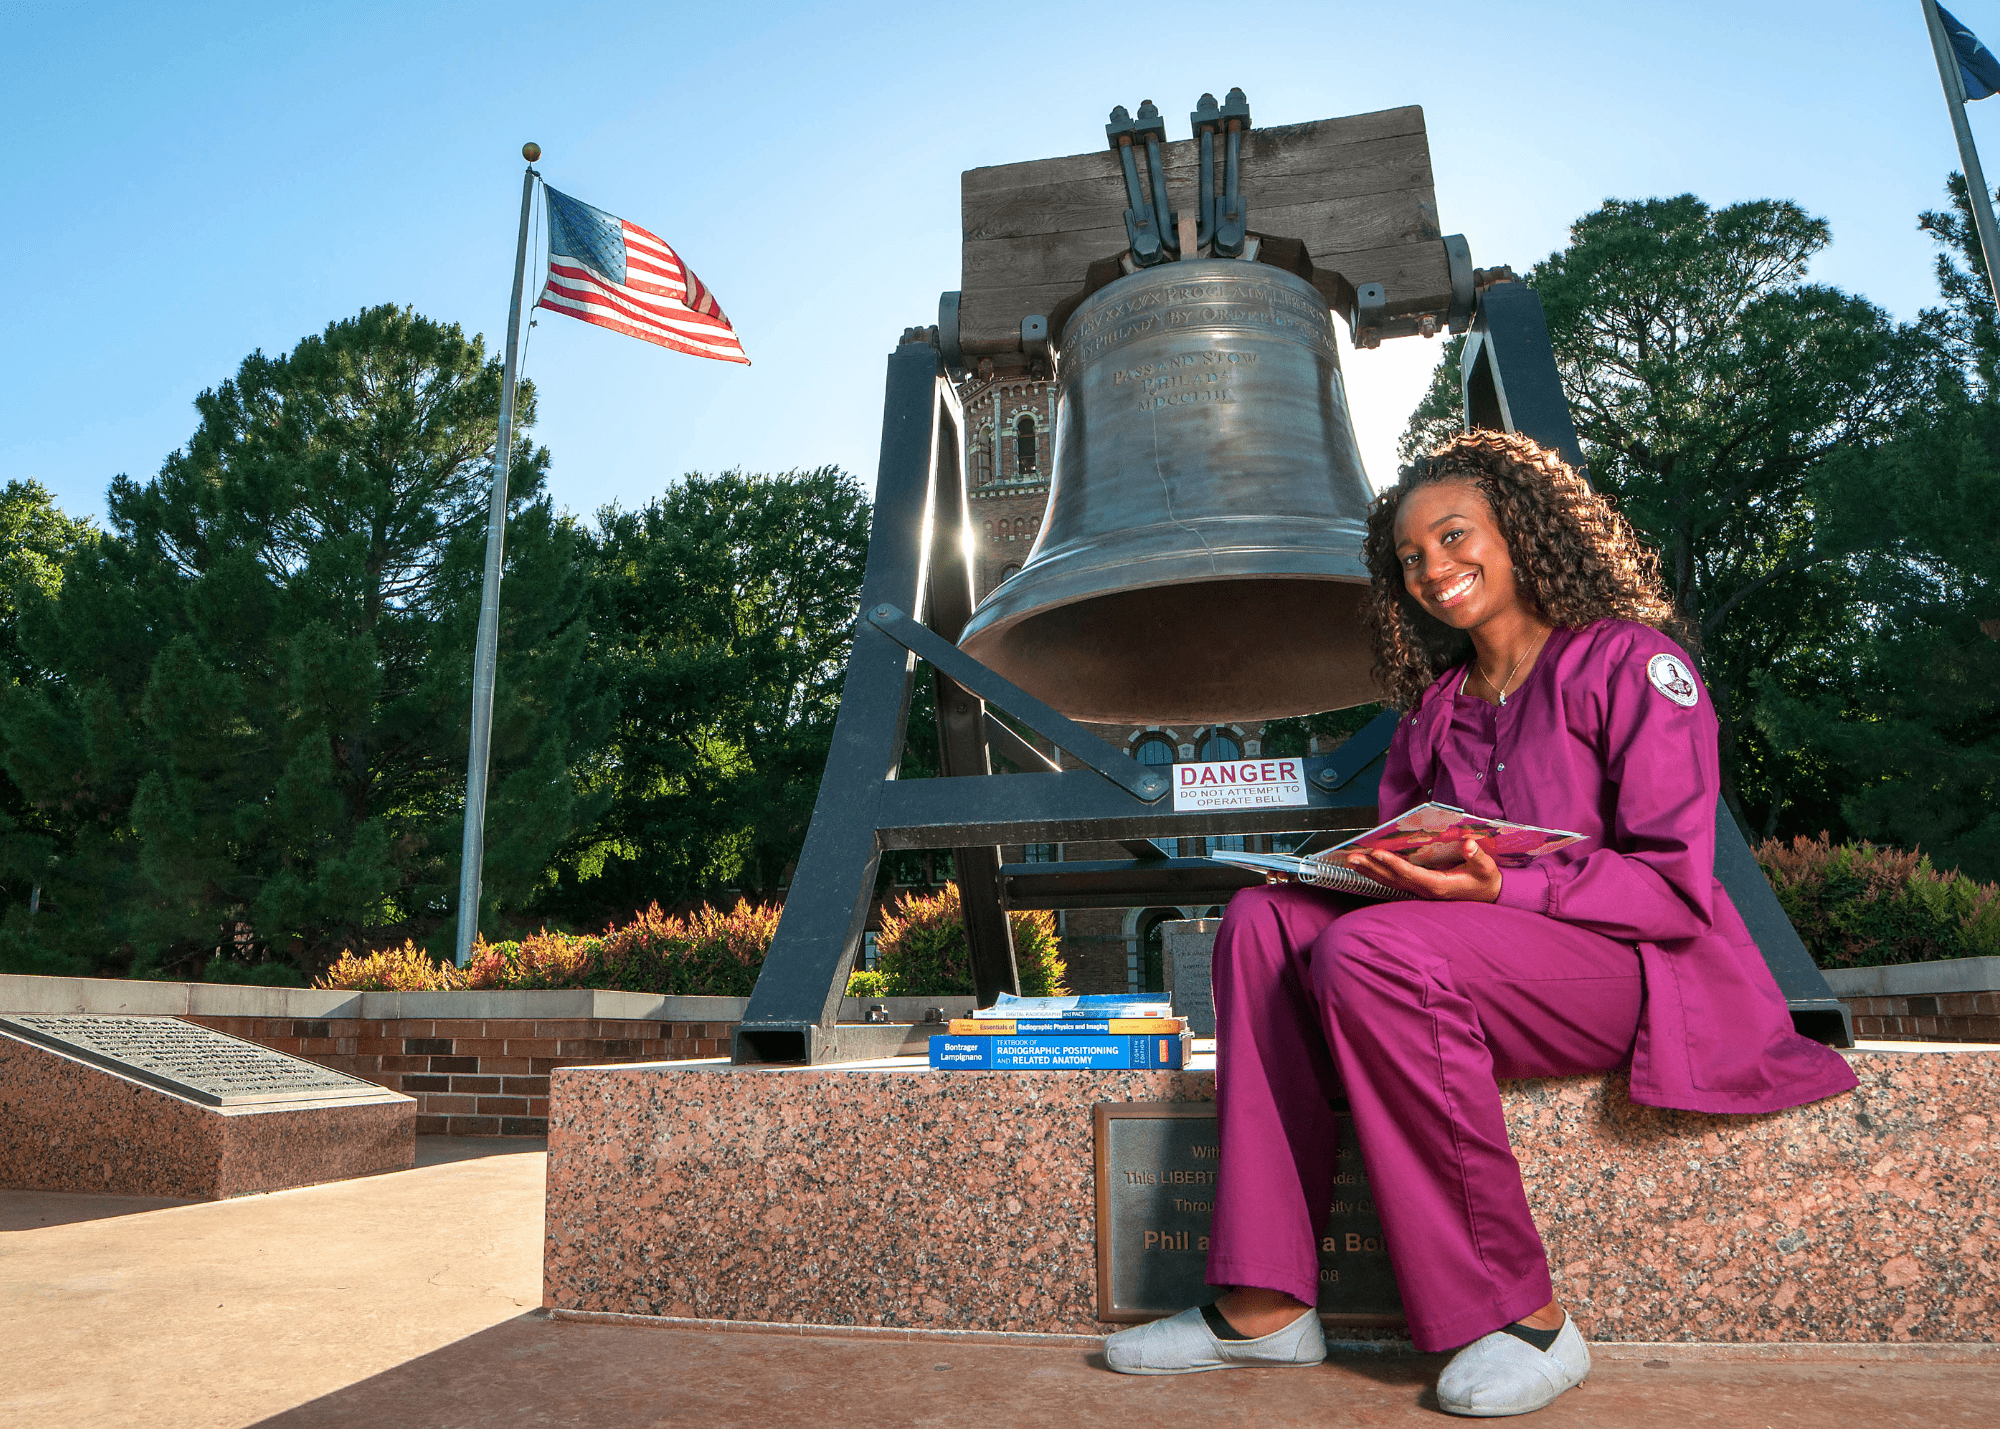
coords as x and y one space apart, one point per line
33 1210
439 1150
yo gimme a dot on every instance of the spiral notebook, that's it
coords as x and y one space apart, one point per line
1430 836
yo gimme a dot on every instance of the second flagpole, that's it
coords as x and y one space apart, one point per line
1980 198
486 649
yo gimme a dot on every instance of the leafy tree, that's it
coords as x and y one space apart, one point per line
727 606
252 730
36 539
1908 727
1711 383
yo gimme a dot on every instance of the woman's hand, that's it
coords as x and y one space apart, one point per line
1477 880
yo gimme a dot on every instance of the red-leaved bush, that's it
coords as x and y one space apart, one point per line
708 952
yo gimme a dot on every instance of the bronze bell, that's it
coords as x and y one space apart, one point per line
1200 557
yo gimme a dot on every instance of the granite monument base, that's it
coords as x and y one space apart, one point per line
81 1110
887 1195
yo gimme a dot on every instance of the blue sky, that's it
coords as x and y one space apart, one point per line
193 182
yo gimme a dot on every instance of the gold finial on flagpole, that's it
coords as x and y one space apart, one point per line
531 152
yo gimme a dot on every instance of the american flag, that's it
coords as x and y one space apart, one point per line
615 274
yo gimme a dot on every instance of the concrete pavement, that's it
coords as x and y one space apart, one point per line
409 1300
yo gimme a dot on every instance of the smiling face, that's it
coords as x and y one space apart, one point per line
1454 557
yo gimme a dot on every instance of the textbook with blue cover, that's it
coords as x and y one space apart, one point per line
1097 1006
1056 1053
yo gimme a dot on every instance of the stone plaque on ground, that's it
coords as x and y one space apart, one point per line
1156 1168
187 1059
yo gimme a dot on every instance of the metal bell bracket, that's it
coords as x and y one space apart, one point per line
1139 231
1230 223
1205 120
1152 127
1149 225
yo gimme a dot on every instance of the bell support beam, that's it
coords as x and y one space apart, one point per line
961 715
1076 806
1138 780
794 1006
1001 740
1510 382
1507 373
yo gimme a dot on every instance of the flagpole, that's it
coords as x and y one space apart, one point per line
485 656
1981 197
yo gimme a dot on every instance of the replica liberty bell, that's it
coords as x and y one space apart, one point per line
1201 553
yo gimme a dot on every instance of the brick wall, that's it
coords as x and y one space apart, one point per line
1943 1017
475 1077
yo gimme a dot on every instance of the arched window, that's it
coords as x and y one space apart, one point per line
1154 749
1145 969
1009 569
1025 459
1020 528
1219 744
989 530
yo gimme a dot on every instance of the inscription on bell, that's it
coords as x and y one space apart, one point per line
187 1059
1249 303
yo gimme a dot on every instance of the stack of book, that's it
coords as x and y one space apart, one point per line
1065 1034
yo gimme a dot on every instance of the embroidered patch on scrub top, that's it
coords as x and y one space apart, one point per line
1673 679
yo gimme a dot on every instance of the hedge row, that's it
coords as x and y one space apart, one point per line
704 953
1859 906
922 953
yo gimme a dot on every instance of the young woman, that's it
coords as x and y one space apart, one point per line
1519 623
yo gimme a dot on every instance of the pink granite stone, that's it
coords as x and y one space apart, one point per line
965 1201
68 1125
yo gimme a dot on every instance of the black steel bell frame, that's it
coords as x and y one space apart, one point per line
916 597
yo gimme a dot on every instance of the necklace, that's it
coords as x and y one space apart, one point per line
1501 688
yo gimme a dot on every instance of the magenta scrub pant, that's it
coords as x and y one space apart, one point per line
1412 1011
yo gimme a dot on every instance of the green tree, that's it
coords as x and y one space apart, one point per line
1711 385
1907 728
36 538
253 730
726 606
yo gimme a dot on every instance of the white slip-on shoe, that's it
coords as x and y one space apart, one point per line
1183 1344
1499 1374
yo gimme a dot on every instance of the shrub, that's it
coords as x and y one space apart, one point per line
1857 906
706 953
923 950
405 969
867 984
542 961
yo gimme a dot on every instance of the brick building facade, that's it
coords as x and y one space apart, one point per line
1010 430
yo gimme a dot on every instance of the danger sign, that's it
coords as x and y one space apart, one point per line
1239 784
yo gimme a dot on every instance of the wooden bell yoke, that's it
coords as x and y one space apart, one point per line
1236 248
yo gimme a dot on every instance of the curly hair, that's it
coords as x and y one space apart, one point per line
1576 559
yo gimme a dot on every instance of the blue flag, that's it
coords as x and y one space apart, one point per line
1976 65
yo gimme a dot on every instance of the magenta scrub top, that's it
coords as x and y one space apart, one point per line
1465 763
1612 735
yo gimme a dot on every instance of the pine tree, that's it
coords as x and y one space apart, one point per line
253 727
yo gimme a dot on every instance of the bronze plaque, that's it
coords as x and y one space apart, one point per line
187 1059
1156 1169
